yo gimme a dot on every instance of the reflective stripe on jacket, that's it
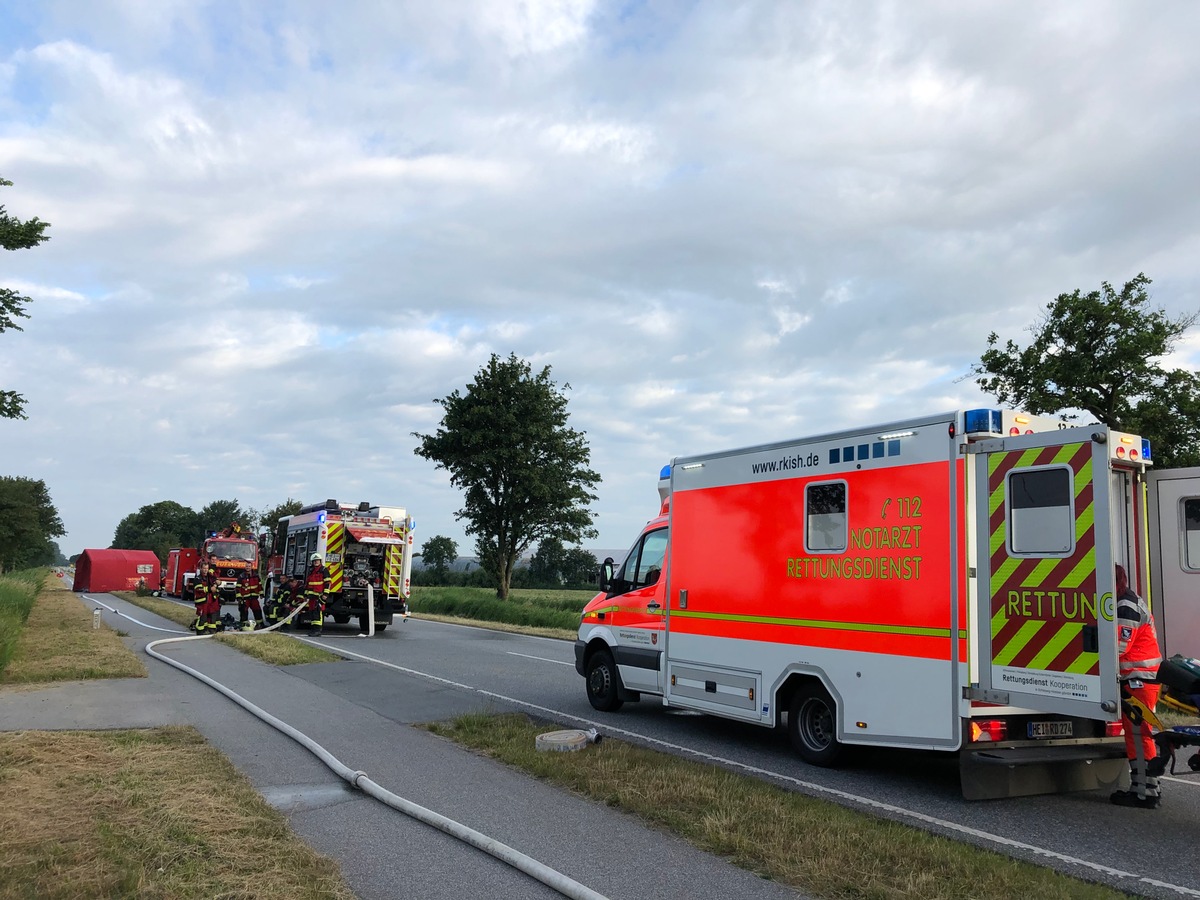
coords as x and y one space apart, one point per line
1137 641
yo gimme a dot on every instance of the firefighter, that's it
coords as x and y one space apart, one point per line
276 605
200 599
212 609
249 590
1139 658
316 586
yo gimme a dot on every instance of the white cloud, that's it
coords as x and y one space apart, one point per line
720 224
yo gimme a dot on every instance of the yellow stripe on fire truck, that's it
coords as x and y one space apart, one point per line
334 549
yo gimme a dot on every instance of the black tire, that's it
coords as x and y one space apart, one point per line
812 725
603 682
364 625
342 618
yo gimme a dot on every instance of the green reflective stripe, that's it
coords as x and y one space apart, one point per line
1086 567
1083 663
816 623
1028 630
999 620
1055 646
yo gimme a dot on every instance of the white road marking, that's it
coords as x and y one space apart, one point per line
558 662
808 785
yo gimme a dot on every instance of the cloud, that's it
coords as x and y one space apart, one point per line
278 237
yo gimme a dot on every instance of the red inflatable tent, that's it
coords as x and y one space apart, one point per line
116 570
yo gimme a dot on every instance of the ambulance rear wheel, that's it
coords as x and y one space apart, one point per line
602 680
812 725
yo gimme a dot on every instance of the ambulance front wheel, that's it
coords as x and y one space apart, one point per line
812 725
602 680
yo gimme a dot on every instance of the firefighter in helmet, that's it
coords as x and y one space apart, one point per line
200 599
316 586
212 610
249 590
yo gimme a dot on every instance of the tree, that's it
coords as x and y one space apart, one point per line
159 527
220 514
270 518
1100 353
438 554
28 522
524 473
579 567
16 235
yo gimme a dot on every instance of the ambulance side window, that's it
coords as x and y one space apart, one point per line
1191 533
643 565
825 517
1041 515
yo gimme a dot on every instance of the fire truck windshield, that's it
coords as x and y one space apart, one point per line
245 550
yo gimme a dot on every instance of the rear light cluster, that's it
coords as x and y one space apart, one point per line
988 730
1114 729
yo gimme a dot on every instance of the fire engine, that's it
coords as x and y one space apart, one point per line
367 551
227 553
939 583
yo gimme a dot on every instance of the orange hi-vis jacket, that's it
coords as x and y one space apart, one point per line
1137 641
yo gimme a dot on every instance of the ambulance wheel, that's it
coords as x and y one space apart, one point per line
812 725
602 680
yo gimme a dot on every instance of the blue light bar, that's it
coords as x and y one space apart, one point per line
321 517
987 421
665 472
1146 457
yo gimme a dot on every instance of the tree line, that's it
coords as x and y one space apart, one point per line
165 525
552 566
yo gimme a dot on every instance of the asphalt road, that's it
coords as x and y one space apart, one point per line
422 670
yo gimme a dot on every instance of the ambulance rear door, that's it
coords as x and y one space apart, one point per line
1047 640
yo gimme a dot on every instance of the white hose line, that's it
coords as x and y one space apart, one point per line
552 878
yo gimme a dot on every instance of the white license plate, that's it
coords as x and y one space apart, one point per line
1050 729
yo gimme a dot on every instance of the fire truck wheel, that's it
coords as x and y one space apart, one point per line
602 680
812 725
342 618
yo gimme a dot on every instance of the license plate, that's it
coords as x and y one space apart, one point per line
1050 729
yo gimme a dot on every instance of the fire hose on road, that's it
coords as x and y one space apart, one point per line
552 878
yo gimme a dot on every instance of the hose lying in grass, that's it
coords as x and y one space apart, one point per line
552 878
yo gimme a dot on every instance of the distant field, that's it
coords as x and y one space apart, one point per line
558 610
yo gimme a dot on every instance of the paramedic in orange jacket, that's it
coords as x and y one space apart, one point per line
1139 658
316 585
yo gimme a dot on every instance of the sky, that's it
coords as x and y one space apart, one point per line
280 229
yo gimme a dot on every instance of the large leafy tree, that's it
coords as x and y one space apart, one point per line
523 471
220 514
269 518
28 523
1101 354
438 554
159 527
16 235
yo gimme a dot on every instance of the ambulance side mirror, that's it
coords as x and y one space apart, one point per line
606 574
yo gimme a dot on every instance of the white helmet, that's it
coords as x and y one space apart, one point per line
316 557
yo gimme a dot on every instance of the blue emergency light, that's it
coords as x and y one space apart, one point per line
987 421
665 472
1146 457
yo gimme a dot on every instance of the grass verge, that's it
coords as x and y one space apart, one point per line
819 848
558 610
17 593
147 813
273 647
57 642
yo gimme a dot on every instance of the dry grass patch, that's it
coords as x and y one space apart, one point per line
58 643
146 813
819 848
